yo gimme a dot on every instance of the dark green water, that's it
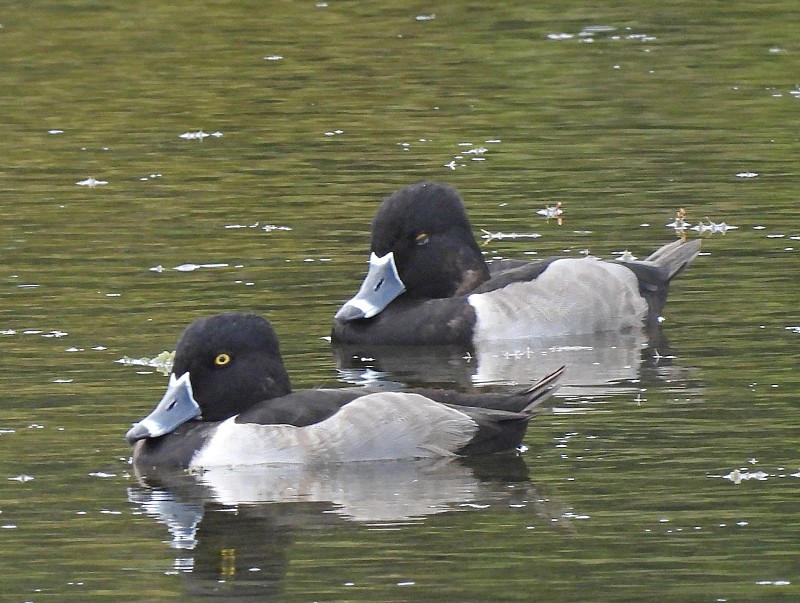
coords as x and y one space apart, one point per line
678 481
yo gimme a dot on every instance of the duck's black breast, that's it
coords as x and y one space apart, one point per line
406 321
173 450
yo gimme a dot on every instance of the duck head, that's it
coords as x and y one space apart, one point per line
422 247
224 364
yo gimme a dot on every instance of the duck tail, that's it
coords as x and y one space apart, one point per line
542 390
674 257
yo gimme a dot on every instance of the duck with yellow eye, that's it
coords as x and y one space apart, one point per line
229 402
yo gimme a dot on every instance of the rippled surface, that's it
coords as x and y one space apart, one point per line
168 161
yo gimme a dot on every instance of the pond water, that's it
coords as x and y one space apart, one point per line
667 470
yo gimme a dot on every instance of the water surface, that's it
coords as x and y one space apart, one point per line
667 470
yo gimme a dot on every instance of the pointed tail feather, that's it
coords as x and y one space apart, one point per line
675 257
542 390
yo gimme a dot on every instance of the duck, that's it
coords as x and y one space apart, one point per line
429 284
229 402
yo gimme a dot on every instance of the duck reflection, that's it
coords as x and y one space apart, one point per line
596 364
222 552
232 528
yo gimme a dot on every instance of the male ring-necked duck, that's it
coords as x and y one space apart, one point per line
229 402
428 283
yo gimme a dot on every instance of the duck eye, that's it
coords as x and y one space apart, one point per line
422 238
222 359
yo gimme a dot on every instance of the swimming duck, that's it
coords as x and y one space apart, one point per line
428 283
229 402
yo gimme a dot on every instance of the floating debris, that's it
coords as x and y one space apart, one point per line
737 476
591 32
55 131
430 17
571 515
334 132
625 256
477 152
199 135
91 182
183 268
55 334
193 267
638 37
273 57
713 227
266 227
254 225
679 224
162 362
491 236
553 212
746 175
21 478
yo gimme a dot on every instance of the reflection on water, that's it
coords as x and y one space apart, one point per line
596 364
223 551
232 527
366 492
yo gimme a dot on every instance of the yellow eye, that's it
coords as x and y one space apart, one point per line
422 238
222 359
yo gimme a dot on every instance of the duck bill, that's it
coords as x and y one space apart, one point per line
176 407
381 285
